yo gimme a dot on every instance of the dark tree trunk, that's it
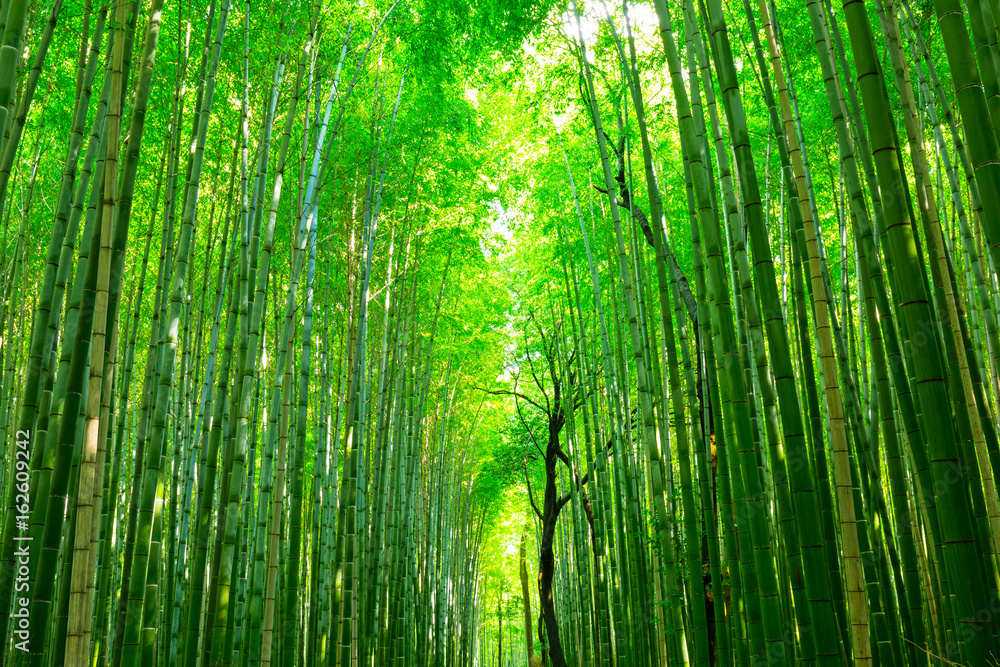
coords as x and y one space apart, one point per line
546 560
526 594
556 403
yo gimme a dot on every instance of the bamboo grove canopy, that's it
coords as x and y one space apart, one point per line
432 333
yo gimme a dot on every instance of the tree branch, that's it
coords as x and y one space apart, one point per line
586 478
683 286
527 428
508 392
531 496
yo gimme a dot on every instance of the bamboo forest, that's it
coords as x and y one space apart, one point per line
499 333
